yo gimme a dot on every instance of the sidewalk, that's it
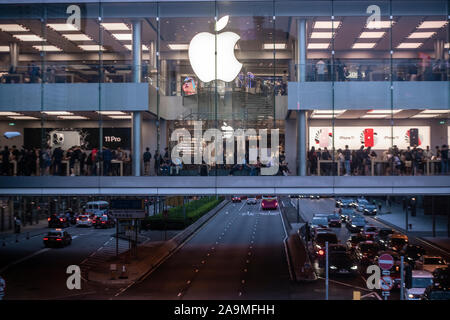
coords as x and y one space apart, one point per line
33 230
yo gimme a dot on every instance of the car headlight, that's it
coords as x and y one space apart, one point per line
411 296
353 226
333 267
354 267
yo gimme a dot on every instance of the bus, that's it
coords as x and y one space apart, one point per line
97 208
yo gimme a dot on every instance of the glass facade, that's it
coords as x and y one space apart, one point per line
225 88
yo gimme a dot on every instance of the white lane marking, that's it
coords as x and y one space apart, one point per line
74 237
23 259
241 207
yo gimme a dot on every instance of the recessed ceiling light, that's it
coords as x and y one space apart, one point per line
424 116
23 118
435 111
8 113
111 112
179 47
327 24
123 36
362 45
91 47
76 37
62 26
409 45
318 45
421 35
274 46
58 113
72 117
432 24
28 37
129 47
372 34
120 117
46 48
322 35
379 24
4 48
384 111
115 26
12 28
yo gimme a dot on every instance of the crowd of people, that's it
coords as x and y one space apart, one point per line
411 161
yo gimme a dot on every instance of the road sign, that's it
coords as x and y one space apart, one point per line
385 261
386 283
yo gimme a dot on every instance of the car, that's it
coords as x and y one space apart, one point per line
252 200
397 241
412 252
320 240
58 221
236 199
344 202
356 224
57 237
370 231
430 263
416 283
370 210
337 247
269 203
84 220
341 263
383 236
360 204
346 213
441 277
334 220
103 222
366 251
318 222
436 292
354 240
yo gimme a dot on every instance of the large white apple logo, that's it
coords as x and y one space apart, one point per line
202 57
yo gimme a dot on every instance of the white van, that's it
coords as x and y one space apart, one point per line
98 208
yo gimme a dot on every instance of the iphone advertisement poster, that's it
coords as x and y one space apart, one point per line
380 138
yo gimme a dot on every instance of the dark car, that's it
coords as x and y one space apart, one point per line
57 238
370 210
58 221
103 222
383 236
412 252
356 224
354 240
236 199
334 220
346 214
441 277
341 263
320 239
435 292
366 252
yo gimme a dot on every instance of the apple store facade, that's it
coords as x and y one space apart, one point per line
225 88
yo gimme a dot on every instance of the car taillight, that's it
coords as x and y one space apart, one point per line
321 252
103 221
78 219
45 238
263 204
61 219
58 239
48 219
276 203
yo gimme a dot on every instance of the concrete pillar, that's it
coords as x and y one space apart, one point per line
439 49
14 56
301 114
137 117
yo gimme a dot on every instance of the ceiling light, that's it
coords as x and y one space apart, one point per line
274 46
4 48
12 28
77 37
327 24
447 45
435 111
115 26
91 47
322 35
379 24
62 26
362 45
123 36
46 48
129 47
372 34
318 45
432 24
421 35
8 113
424 116
409 45
378 116
384 111
120 117
328 111
28 37
58 113
179 47
23 118
72 117
111 112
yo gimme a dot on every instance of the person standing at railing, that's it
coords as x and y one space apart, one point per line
444 159
147 157
320 70
347 158
326 156
312 157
